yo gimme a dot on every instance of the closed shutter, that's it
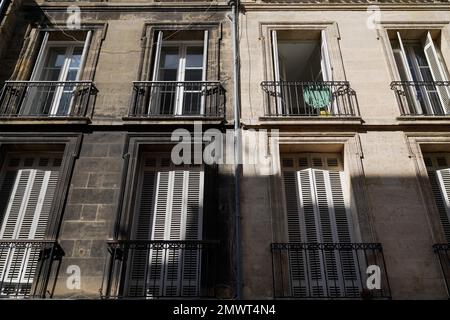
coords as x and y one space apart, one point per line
438 168
173 212
317 213
438 72
28 188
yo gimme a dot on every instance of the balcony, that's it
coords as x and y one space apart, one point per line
443 252
177 99
160 269
328 271
46 99
309 99
26 267
423 99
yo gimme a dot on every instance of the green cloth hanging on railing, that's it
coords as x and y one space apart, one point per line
317 96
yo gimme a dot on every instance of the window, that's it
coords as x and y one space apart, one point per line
438 168
304 84
420 62
300 56
28 185
170 208
317 212
58 67
179 68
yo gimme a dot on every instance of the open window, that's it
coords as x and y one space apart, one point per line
53 87
303 73
422 69
179 73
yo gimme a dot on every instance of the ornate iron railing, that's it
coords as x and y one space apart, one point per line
158 269
329 271
177 98
45 99
309 99
421 98
26 267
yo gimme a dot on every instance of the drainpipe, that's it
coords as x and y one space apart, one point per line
237 144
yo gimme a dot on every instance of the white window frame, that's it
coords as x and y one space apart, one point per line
45 48
182 46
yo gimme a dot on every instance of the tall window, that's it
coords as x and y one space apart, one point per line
302 68
438 168
420 61
27 188
170 208
317 211
179 68
59 64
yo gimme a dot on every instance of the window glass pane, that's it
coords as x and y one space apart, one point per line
169 58
54 63
76 57
193 75
194 57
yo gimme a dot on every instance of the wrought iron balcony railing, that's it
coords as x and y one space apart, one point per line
159 269
26 267
443 252
46 99
177 99
420 98
329 271
310 99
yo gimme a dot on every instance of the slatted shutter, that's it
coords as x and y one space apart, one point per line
317 213
173 212
438 168
438 71
28 188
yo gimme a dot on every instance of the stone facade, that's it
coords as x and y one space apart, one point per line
382 151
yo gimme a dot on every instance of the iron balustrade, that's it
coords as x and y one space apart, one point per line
309 99
329 271
158 269
26 267
422 98
443 252
177 98
44 99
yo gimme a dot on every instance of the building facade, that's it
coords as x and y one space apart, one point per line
343 190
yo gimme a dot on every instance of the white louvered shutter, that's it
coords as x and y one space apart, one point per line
173 213
142 232
25 217
438 168
317 213
438 72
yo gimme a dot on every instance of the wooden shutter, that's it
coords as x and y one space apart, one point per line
31 186
438 168
325 61
317 213
173 211
438 72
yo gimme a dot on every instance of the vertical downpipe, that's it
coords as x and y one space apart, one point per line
237 143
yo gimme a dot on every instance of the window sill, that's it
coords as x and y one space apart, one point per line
421 120
325 120
44 120
169 120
